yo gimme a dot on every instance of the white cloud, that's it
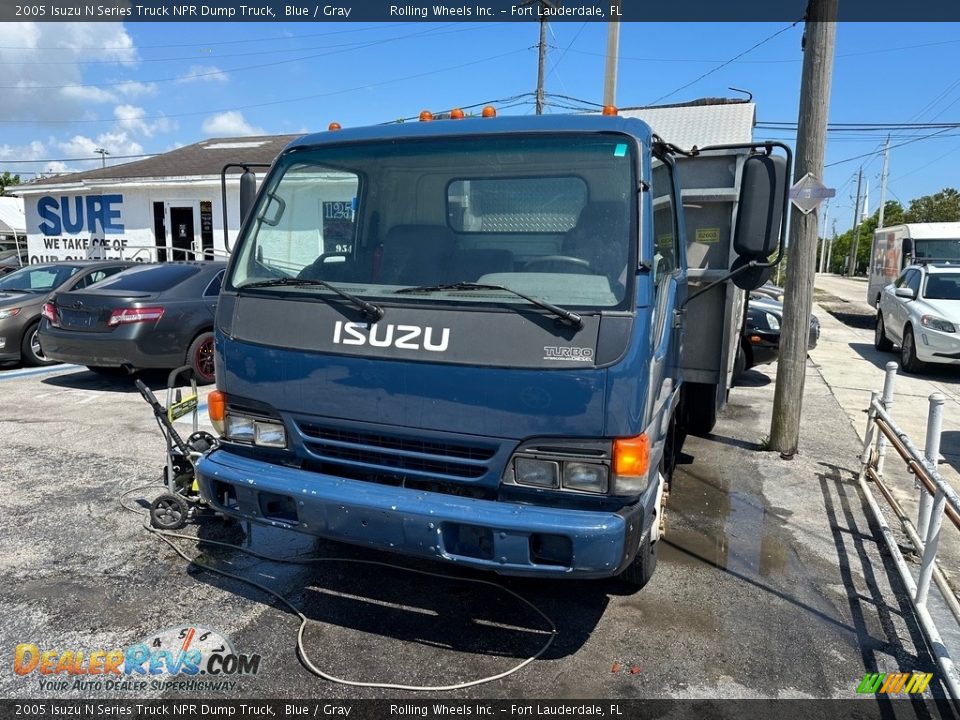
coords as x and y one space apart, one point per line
203 73
228 124
132 89
116 143
41 55
132 118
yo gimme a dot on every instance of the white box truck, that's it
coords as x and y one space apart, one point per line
897 246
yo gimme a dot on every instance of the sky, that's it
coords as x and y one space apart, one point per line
134 88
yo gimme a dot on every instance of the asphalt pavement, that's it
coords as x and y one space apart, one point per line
771 582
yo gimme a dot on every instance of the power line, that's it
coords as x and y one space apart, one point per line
271 103
218 57
873 154
724 64
205 43
79 159
766 62
356 46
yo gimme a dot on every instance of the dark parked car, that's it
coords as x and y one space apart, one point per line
760 342
12 259
153 316
23 293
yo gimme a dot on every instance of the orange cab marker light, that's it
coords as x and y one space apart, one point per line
609 110
631 456
488 111
426 116
216 402
333 126
456 114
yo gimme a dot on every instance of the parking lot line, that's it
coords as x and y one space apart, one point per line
30 372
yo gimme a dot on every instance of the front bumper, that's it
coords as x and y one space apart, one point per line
934 346
509 538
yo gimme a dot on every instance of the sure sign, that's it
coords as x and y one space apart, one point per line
86 213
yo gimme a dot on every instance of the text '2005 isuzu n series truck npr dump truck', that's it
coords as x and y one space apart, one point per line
467 339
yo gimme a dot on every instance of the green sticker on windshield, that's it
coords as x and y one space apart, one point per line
620 150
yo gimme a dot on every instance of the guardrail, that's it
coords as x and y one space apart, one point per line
937 499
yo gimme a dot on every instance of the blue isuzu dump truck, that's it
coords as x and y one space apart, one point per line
476 340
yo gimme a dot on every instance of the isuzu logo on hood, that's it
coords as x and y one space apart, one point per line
404 337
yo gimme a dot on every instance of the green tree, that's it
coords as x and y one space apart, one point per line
8 180
943 206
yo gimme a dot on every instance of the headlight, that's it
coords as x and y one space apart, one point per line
588 477
9 313
269 434
773 322
265 433
239 428
929 321
539 473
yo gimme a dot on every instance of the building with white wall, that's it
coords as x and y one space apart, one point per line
161 208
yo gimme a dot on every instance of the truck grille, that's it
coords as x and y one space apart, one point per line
394 459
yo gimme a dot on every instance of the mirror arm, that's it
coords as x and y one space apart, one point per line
767 147
223 196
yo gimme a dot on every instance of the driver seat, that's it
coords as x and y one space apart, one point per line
600 238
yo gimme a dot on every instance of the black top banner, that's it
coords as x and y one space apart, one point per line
309 11
417 708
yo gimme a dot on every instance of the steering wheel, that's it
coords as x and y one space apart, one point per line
582 267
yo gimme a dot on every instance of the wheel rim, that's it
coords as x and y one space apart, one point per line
203 359
35 346
168 512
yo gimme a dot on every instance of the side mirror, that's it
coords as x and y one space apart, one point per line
906 253
905 292
248 193
760 209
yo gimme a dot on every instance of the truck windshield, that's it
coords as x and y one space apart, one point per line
550 216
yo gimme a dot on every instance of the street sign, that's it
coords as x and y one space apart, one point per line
808 192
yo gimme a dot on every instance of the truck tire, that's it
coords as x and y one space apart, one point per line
880 340
700 408
638 573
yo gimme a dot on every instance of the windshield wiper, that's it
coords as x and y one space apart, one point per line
370 311
571 318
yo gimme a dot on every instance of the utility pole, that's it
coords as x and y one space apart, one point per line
823 240
820 33
542 58
833 239
883 181
613 49
103 156
854 241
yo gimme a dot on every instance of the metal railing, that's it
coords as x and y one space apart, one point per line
937 499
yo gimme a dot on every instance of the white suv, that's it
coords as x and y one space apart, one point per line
920 311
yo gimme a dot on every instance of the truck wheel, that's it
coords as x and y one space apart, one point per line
700 408
880 340
200 358
30 349
908 352
638 573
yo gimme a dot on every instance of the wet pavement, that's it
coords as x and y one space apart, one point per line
770 580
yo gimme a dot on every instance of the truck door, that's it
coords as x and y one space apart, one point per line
666 324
